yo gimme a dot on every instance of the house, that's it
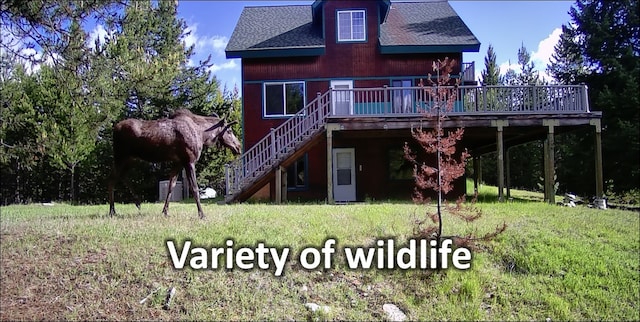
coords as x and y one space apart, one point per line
331 93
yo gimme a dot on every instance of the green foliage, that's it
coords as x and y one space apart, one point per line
601 48
525 159
491 73
57 118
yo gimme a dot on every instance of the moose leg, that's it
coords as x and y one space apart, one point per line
193 186
116 173
120 168
113 178
172 184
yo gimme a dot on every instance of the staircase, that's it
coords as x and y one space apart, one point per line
253 168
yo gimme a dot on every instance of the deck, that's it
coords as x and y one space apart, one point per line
513 114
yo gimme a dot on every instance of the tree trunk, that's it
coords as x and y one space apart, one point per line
72 190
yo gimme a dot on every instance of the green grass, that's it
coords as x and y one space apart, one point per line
74 262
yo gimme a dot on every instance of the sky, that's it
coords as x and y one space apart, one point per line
506 25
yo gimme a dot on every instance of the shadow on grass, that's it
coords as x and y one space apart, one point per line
483 197
493 198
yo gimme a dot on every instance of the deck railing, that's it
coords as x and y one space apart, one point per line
282 141
464 100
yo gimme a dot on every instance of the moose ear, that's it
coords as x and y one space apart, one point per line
226 127
215 126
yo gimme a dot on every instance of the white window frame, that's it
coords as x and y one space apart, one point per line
364 26
284 95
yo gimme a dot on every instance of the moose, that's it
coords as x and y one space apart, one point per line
178 139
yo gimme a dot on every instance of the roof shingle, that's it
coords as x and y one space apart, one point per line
425 26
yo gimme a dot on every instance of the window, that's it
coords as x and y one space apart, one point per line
351 25
297 174
399 167
281 99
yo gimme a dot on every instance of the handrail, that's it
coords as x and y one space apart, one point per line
409 101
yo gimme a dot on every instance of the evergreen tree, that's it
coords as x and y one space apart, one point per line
528 75
71 118
44 24
60 116
601 48
567 63
491 73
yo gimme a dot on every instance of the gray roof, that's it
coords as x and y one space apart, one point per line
275 27
432 23
427 26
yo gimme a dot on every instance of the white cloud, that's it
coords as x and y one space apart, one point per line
205 45
31 58
542 56
100 33
230 64
504 67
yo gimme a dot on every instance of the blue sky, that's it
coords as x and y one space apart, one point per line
504 24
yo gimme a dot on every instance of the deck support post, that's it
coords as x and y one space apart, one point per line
330 128
549 162
500 124
284 185
598 152
476 168
507 161
278 186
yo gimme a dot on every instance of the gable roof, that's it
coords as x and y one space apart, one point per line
425 27
408 27
276 31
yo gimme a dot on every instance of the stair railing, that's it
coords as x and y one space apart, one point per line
281 142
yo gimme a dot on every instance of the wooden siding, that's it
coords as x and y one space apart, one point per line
361 62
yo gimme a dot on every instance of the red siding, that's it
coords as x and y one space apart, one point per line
373 178
357 61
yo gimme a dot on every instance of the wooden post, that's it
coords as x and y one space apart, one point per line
500 124
476 166
330 128
549 161
285 185
278 186
479 170
599 174
545 157
508 171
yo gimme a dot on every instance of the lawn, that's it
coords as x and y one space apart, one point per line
65 262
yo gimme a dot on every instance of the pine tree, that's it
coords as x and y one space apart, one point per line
71 117
528 75
567 63
601 48
491 73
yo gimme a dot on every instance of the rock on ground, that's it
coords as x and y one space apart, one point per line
394 313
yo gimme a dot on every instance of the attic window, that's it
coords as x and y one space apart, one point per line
351 25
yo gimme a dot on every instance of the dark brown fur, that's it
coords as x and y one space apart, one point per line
178 139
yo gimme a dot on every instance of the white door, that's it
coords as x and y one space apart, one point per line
344 174
342 100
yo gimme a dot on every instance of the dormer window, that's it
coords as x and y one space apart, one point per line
351 25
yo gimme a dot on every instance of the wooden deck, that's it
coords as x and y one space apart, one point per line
512 114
